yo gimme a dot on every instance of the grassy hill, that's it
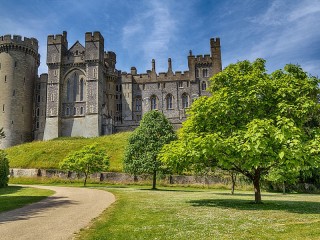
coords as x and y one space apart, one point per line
48 154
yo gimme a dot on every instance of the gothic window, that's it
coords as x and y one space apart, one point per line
68 91
153 100
169 99
204 86
81 89
75 87
205 72
138 104
38 112
180 84
38 98
185 100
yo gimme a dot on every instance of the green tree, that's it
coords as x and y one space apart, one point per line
145 143
88 160
4 169
253 123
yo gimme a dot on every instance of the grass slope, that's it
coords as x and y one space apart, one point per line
48 154
198 214
13 197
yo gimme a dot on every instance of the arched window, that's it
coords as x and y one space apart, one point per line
169 99
68 90
138 104
153 100
75 87
81 89
185 100
205 72
204 86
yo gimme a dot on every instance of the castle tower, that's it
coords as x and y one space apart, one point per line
216 55
57 46
19 62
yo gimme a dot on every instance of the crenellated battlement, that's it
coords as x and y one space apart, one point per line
18 40
95 36
214 42
58 39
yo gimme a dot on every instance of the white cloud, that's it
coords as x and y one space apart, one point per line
150 31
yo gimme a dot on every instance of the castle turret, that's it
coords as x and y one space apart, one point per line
216 55
19 62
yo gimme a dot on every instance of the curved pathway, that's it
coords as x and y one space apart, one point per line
56 217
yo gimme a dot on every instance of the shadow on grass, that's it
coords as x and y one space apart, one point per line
32 210
168 190
9 190
239 204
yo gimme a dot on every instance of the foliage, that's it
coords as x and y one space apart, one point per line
4 169
176 213
253 123
13 197
48 154
145 143
88 160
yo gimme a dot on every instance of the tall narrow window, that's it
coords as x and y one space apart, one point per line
75 87
169 101
185 100
5 78
14 93
38 112
81 89
138 104
203 86
81 110
3 107
197 73
180 84
153 102
68 91
95 74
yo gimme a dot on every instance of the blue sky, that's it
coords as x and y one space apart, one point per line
281 31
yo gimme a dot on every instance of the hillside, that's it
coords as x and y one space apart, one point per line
48 154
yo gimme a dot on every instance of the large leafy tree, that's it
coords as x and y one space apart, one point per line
253 123
145 143
88 160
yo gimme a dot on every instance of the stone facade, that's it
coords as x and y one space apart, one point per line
84 94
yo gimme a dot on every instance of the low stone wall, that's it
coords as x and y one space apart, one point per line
117 177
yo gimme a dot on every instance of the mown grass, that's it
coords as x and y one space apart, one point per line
176 213
13 197
48 154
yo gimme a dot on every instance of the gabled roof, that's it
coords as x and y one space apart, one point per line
77 47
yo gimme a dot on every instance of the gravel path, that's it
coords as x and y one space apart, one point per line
56 217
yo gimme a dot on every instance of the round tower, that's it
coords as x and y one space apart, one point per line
19 62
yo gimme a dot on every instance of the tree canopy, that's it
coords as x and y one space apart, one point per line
145 143
88 160
4 169
2 134
253 123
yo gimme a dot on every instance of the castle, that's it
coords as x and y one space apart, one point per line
83 94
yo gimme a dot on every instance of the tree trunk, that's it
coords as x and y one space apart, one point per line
284 187
154 179
85 179
256 184
233 179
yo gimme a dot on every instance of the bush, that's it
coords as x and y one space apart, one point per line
4 169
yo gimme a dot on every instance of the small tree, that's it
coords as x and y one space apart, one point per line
145 143
88 160
4 169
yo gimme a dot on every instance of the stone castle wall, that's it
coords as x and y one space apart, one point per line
84 94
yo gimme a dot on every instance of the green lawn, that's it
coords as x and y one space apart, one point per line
48 154
15 196
201 214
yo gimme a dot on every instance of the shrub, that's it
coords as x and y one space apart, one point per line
4 169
